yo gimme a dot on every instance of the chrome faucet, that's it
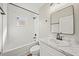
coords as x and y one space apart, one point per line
58 36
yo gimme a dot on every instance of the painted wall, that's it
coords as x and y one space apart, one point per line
76 14
44 27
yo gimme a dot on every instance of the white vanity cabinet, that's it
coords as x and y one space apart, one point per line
48 51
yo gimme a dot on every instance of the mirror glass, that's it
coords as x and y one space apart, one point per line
62 21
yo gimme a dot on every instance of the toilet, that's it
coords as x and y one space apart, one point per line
35 50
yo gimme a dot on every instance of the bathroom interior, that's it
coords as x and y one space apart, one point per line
39 29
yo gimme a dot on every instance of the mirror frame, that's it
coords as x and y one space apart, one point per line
73 20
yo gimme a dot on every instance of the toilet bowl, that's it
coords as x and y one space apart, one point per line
35 50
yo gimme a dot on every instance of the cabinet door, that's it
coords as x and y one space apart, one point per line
48 51
44 50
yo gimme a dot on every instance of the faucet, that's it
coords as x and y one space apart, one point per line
58 36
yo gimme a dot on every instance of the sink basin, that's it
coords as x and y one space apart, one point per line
59 42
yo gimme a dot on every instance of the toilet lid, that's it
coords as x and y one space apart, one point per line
35 48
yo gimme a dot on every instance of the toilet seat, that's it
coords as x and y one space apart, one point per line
35 48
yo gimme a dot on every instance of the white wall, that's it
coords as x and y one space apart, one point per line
76 15
44 27
19 35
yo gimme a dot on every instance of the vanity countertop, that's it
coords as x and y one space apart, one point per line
68 49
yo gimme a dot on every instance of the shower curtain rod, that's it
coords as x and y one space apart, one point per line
24 8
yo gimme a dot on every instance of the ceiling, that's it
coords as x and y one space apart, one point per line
31 6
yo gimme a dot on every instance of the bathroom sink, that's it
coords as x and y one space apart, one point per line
59 42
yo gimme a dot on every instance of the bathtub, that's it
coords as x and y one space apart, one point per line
20 51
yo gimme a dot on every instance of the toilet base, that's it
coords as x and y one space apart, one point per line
35 50
37 54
